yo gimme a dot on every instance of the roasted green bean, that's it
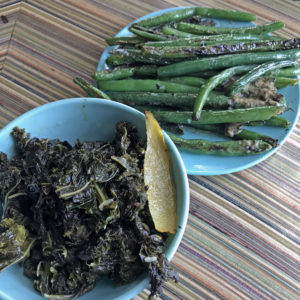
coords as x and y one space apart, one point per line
90 89
224 148
146 85
225 61
220 116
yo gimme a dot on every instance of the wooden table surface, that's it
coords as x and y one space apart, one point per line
242 238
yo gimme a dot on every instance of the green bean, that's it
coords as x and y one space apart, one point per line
212 83
182 52
168 17
205 74
220 116
273 121
172 100
207 39
215 100
225 61
117 73
286 72
133 56
123 72
147 34
257 72
119 59
225 14
146 85
282 82
146 70
176 33
188 80
90 89
216 128
125 40
244 134
178 15
203 29
223 148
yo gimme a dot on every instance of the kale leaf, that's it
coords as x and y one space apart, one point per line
73 214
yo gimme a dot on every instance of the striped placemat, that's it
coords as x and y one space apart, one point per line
242 238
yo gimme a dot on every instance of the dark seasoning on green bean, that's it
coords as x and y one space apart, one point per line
217 79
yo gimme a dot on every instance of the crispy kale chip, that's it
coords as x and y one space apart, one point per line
76 213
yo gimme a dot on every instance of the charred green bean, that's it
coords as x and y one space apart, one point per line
182 52
225 61
90 89
220 116
146 85
126 40
224 148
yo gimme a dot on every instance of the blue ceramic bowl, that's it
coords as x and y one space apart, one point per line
88 119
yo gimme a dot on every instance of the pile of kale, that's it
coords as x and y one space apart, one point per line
73 214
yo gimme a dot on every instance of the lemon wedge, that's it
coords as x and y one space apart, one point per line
157 176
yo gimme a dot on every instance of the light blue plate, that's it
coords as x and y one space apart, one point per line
216 165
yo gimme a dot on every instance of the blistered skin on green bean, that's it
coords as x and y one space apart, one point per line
132 57
198 40
172 100
220 116
225 61
204 29
182 52
168 17
146 85
257 72
178 100
212 83
223 148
